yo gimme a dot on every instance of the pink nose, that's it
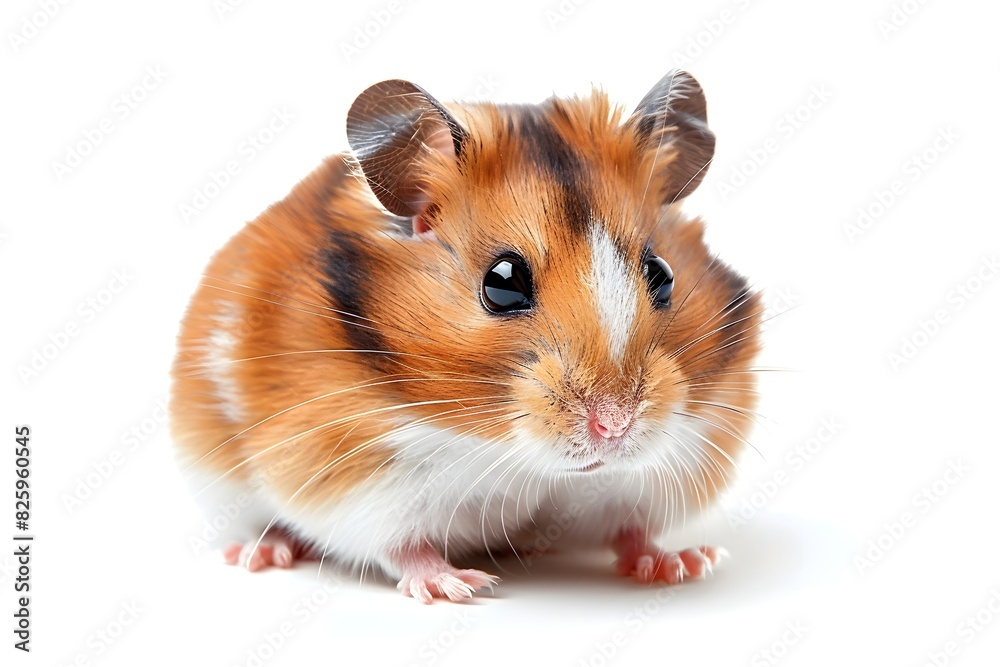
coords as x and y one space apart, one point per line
609 420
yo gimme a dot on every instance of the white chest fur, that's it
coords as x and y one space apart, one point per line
478 496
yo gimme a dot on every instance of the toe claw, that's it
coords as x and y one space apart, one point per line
489 581
453 588
676 569
644 569
418 591
697 563
283 556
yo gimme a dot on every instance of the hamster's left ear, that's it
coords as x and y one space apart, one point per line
671 120
392 127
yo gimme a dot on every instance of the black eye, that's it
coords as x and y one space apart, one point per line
660 279
507 286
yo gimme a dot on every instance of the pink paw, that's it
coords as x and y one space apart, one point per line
642 559
427 575
671 567
278 548
454 584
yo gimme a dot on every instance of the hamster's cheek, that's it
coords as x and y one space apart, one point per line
664 389
541 397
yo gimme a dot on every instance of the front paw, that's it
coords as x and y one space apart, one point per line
427 575
651 564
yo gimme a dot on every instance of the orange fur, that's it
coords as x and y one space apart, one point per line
313 407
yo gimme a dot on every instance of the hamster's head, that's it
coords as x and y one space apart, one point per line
537 289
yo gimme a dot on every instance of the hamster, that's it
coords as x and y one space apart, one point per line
485 329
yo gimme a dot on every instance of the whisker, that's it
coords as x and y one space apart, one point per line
290 307
711 444
745 412
734 434
523 461
335 422
295 352
503 459
681 349
313 400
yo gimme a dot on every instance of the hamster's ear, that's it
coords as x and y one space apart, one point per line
671 121
390 127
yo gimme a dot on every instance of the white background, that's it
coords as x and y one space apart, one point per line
867 97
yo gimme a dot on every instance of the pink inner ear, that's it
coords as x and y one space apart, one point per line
420 225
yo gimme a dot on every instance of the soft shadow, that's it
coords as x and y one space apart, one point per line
773 555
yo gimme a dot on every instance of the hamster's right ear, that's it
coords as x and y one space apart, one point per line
391 127
672 122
